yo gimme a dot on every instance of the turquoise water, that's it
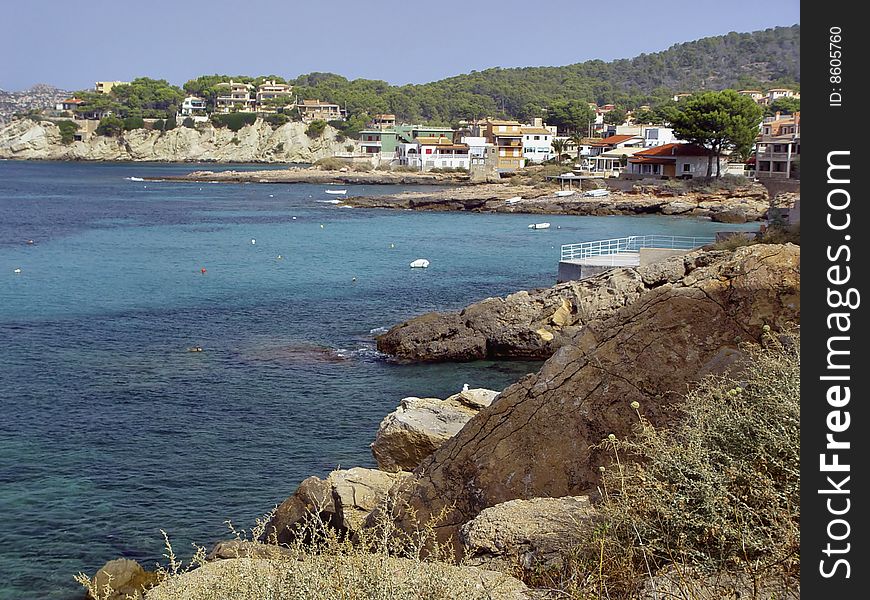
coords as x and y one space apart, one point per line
111 430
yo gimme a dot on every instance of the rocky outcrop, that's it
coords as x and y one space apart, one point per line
420 425
531 325
342 501
748 202
126 579
41 140
540 438
338 576
239 548
528 534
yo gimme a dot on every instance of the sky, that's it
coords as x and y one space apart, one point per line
71 45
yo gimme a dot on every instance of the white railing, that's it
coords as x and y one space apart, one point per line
631 244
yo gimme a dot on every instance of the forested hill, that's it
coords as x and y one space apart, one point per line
742 60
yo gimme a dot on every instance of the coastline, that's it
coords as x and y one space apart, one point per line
741 204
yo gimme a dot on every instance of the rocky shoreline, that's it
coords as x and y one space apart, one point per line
317 175
512 476
745 204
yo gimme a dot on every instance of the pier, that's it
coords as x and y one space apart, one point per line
579 261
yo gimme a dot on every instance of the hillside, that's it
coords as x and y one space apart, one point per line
757 59
38 96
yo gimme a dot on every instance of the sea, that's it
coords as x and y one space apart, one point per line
111 430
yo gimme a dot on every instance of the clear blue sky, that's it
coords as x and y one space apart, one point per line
72 44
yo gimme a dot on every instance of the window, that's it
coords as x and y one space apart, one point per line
428 150
537 137
687 167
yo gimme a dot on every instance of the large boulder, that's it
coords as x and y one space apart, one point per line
341 501
540 439
358 491
338 576
313 498
124 579
527 534
530 325
420 425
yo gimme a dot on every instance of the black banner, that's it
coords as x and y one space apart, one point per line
834 240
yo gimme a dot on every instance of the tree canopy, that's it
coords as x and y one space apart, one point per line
719 121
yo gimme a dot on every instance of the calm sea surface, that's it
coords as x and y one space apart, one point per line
110 430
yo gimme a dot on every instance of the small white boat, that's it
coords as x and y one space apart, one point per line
513 200
562 193
539 226
337 192
420 263
597 193
135 179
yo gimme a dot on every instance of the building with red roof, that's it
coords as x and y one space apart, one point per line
673 160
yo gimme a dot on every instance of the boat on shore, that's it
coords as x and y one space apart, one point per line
337 192
563 193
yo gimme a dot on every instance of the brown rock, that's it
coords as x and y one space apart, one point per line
530 534
126 578
338 576
312 497
415 429
229 549
538 439
357 492
420 425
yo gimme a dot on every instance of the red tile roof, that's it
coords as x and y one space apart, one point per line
674 150
650 160
618 139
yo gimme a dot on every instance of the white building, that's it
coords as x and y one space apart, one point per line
194 108
537 143
427 153
654 135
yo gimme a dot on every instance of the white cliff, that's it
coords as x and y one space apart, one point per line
41 140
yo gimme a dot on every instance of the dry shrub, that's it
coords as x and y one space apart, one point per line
378 563
331 164
716 496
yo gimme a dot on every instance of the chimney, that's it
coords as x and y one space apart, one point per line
776 116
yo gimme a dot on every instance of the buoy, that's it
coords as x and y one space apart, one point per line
392 245
271 195
30 242
17 271
253 241
294 218
353 279
321 226
280 257
202 270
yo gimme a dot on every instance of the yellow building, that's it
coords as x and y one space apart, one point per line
507 140
104 87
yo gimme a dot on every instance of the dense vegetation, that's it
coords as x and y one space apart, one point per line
743 60
560 94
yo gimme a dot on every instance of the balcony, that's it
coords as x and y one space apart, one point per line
768 154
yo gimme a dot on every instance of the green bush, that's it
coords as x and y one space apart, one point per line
276 120
67 131
315 129
158 125
331 164
189 123
131 123
720 491
110 126
170 123
234 121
